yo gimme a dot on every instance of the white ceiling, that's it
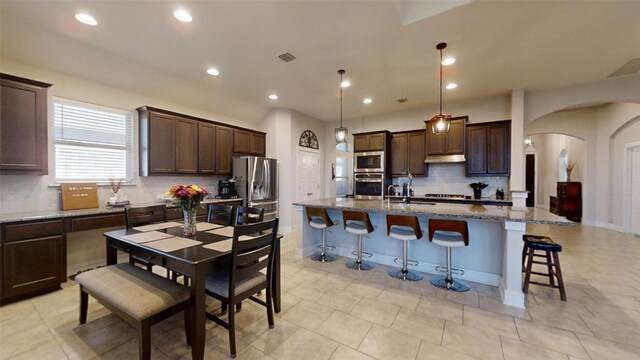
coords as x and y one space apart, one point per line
138 46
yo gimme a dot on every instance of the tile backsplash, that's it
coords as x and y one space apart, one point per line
451 179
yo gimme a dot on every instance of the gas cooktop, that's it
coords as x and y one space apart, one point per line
448 196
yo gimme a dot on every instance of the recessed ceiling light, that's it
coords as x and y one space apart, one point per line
448 61
451 86
182 15
86 19
273 97
367 101
213 71
345 83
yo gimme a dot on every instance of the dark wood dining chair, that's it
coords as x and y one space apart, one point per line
220 214
252 250
248 215
144 215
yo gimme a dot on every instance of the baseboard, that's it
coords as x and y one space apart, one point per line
605 225
286 229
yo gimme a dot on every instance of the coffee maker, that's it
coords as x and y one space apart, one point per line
226 190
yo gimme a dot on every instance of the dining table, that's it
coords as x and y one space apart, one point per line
206 253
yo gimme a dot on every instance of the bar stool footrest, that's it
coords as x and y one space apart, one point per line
443 269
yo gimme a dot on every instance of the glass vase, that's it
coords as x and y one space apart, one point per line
190 229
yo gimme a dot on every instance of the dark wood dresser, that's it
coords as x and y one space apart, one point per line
568 201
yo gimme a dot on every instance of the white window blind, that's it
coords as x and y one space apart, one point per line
92 143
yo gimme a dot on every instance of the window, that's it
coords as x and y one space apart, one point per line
92 143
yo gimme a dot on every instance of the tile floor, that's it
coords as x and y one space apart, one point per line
330 312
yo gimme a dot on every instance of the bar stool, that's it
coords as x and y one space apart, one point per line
358 223
449 233
542 243
319 219
405 228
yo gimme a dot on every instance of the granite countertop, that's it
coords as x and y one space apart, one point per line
469 200
56 214
466 211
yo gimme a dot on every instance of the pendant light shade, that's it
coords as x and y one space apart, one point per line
441 123
341 131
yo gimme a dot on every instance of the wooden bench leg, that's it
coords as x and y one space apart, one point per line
550 268
556 259
144 336
84 304
527 274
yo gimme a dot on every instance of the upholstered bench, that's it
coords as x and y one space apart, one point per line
139 297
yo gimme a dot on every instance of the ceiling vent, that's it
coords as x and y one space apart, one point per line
631 67
286 57
402 100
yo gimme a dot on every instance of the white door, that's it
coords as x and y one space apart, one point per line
308 175
635 190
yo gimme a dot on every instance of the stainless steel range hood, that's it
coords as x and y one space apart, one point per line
445 159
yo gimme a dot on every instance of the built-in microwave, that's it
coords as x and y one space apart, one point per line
368 186
372 161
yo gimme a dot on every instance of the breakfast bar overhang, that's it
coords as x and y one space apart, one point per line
493 257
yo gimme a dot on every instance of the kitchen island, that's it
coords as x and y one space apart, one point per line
493 257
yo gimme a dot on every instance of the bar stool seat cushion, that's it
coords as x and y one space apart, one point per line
356 227
317 223
448 239
402 232
544 243
135 291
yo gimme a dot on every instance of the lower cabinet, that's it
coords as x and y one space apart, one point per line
33 259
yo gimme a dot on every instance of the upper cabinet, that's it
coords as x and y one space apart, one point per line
23 126
488 148
172 143
375 141
224 150
451 143
247 142
407 153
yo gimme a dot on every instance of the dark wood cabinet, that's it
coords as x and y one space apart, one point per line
23 126
569 201
408 153
376 141
33 258
241 141
173 143
488 149
224 150
248 142
186 146
206 148
157 144
257 144
451 143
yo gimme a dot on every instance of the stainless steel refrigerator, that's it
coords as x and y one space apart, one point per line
256 182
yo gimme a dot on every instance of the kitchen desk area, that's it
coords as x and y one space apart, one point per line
493 257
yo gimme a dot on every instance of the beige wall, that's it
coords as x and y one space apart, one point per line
606 129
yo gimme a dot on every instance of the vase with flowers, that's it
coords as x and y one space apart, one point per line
568 167
188 198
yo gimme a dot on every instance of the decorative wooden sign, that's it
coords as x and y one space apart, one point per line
79 196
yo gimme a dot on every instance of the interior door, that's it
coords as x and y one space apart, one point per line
308 175
635 190
530 179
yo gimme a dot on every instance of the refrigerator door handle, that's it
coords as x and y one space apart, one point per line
258 203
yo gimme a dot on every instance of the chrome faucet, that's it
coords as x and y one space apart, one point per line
389 190
407 199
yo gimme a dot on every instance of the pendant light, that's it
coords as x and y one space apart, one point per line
341 132
440 123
